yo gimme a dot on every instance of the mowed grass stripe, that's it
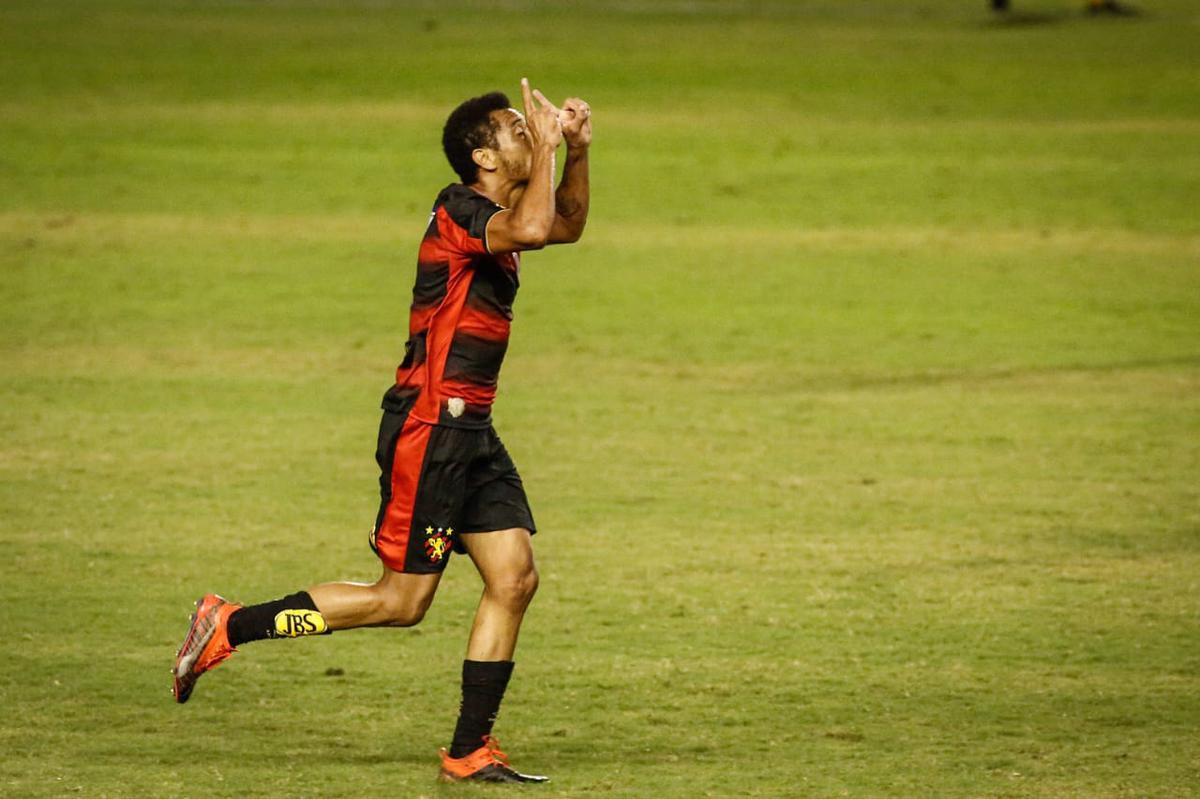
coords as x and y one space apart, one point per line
109 228
808 306
622 118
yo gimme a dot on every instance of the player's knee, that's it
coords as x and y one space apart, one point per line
405 616
401 611
528 585
517 589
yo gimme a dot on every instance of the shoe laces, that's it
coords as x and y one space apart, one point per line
493 747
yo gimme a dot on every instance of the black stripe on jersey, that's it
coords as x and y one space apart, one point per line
467 208
414 350
493 290
474 360
399 399
430 288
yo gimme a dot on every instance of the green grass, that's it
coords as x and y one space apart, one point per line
862 428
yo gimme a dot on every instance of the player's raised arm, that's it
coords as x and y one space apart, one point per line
572 198
527 225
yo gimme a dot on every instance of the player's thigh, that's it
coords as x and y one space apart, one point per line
503 557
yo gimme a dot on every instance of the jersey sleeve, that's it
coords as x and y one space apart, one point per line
464 226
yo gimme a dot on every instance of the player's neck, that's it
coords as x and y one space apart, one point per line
502 191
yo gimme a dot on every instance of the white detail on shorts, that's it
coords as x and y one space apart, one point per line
456 406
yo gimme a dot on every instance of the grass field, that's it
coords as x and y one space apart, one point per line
862 427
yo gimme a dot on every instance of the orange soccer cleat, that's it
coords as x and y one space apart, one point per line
485 764
206 643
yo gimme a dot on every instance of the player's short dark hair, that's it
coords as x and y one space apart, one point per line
468 127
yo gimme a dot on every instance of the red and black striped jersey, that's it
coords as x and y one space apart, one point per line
460 318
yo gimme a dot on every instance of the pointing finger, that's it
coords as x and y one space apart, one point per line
545 103
526 97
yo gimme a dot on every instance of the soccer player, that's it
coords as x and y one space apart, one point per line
447 483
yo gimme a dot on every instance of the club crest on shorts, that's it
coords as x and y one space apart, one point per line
437 543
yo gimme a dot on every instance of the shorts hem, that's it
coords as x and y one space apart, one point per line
532 530
413 568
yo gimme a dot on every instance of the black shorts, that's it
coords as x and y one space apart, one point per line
436 482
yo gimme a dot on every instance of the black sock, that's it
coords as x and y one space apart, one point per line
483 684
290 617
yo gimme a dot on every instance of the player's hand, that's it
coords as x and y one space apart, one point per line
576 117
542 122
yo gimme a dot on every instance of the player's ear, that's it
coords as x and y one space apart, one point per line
485 158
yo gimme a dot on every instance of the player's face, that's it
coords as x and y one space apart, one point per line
513 147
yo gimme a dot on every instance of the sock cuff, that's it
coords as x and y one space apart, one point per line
303 600
475 672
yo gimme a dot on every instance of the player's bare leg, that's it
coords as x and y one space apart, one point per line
218 627
510 579
505 562
394 600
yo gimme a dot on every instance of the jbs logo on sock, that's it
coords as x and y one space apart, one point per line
295 623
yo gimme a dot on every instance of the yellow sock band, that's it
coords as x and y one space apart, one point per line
295 623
